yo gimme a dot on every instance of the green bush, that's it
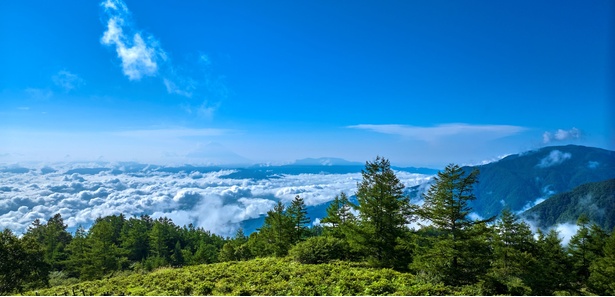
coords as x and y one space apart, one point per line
321 249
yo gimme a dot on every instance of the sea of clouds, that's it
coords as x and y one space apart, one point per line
210 198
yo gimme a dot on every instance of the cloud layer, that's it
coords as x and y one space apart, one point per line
208 199
430 134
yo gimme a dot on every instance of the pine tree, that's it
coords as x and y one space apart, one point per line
277 231
78 250
513 256
582 251
339 217
104 255
450 258
297 213
552 271
177 257
384 212
135 238
53 237
602 270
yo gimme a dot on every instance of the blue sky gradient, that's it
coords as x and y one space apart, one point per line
423 83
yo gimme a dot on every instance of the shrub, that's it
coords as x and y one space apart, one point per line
321 249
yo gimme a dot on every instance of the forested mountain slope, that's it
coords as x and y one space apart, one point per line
596 200
517 181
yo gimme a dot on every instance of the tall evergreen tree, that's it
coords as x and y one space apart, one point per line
552 271
513 256
339 217
602 270
53 237
297 213
384 211
104 255
135 238
277 231
450 258
177 257
581 249
78 250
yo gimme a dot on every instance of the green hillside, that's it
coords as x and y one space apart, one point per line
520 179
264 276
596 200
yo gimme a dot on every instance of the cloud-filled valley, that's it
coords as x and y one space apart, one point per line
215 199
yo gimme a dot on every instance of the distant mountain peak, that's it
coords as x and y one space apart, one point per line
325 161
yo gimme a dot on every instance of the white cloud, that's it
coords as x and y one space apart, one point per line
555 157
430 134
566 231
139 55
561 135
67 81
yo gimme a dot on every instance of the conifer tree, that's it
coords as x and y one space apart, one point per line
297 213
135 238
339 217
78 250
552 271
446 206
581 251
177 257
384 211
513 256
602 270
104 255
277 231
53 237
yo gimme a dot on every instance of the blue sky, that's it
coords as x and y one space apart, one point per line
423 83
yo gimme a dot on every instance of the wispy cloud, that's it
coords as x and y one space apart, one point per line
67 80
561 135
430 134
142 55
555 157
172 133
185 88
139 55
39 94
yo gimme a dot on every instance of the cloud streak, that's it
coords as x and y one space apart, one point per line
555 157
67 81
139 55
430 134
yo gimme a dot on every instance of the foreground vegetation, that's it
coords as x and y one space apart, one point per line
263 276
361 249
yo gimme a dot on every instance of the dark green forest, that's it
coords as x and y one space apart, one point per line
363 248
595 200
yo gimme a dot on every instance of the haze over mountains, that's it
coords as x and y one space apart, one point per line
224 199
